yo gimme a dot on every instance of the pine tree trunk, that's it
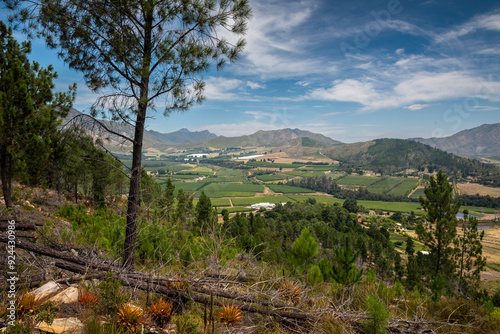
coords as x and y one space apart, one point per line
135 179
133 196
5 164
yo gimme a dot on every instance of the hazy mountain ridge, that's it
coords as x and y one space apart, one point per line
481 141
152 138
271 138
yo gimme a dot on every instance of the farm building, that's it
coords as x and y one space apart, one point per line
267 206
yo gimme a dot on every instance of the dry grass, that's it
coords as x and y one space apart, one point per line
474 188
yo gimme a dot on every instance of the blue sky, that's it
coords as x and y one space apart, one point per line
352 70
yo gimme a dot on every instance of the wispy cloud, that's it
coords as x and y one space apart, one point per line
417 106
489 21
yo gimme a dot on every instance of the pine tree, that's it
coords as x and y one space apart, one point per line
169 198
135 52
29 112
305 248
410 248
439 228
469 252
345 271
203 210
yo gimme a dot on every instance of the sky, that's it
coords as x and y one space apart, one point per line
352 70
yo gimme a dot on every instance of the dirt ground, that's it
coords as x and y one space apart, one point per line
474 188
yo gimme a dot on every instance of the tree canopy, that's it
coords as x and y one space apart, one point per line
135 51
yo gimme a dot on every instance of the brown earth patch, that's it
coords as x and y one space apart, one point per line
474 188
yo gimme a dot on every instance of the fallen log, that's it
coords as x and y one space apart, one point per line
147 283
43 250
19 226
199 298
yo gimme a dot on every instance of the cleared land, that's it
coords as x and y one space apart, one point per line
474 188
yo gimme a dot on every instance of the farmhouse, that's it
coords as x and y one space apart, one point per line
267 206
196 155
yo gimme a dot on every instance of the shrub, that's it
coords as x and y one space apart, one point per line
187 324
87 298
109 294
230 315
130 317
27 304
290 292
161 312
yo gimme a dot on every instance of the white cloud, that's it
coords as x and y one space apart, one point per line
424 86
490 21
255 85
277 43
347 90
417 106
219 88
303 83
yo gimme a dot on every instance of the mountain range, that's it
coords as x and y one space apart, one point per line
482 141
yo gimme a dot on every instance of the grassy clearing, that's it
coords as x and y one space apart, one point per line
278 188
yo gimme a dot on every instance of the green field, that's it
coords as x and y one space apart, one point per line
272 165
357 180
417 193
216 202
268 178
320 167
397 186
231 190
319 199
279 188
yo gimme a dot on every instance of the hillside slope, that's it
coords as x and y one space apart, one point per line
481 141
400 154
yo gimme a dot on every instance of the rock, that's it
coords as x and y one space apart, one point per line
47 290
69 295
62 326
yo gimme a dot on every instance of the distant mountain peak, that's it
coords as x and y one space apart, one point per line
184 130
476 142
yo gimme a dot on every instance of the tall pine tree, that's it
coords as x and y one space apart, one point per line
29 113
439 228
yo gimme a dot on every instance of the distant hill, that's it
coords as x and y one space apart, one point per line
399 154
151 138
272 138
482 141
